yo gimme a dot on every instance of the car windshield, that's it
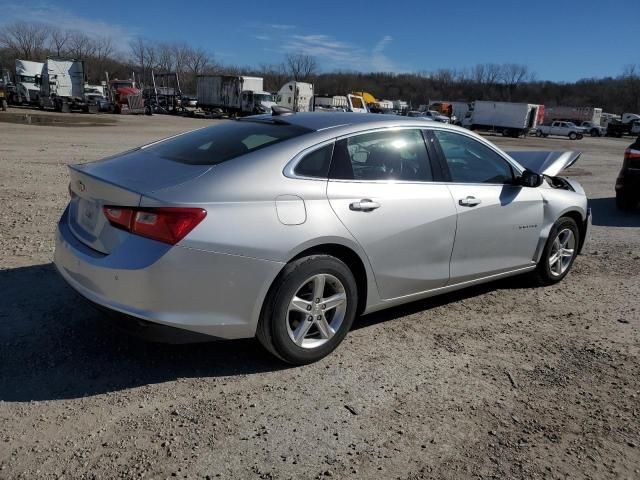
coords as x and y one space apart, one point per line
263 97
213 145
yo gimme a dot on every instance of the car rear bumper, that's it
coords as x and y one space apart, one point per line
211 293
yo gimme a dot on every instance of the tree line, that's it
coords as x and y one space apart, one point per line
499 82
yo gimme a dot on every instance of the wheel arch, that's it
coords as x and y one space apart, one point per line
350 258
576 216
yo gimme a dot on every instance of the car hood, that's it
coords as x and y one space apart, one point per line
549 163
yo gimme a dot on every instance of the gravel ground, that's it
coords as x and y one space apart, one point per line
498 381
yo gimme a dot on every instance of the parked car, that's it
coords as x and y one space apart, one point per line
429 115
188 101
628 181
593 129
287 227
562 129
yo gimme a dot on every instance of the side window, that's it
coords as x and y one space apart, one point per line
470 161
387 155
315 164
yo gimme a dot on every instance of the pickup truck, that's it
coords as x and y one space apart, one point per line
562 129
593 129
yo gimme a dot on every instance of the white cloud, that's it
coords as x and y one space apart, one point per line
379 60
49 14
338 54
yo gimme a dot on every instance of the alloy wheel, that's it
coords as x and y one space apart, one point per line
316 311
562 252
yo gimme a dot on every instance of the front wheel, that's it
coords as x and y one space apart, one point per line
559 252
538 133
309 309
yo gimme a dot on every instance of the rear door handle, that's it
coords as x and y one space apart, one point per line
364 205
469 201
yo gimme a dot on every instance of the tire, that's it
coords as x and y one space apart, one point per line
548 272
572 135
280 321
594 132
538 134
4 105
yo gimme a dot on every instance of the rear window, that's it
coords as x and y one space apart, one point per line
220 143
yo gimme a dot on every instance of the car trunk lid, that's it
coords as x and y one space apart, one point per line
118 181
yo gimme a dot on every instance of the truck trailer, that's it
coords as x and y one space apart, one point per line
298 96
576 115
62 86
233 95
509 119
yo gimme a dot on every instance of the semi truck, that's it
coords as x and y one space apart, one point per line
628 124
62 86
298 96
576 115
125 97
26 90
509 119
233 95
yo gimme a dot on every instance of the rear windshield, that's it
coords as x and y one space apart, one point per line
212 145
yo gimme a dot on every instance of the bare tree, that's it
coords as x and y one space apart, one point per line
27 40
81 46
512 75
301 67
57 40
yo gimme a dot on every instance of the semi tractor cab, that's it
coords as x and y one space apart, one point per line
62 86
26 89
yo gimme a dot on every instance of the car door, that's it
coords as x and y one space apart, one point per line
383 189
499 222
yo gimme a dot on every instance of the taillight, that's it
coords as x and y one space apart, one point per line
632 158
166 224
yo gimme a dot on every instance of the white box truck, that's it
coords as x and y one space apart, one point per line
298 96
62 86
26 90
233 95
509 119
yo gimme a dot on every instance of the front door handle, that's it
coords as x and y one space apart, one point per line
469 201
364 205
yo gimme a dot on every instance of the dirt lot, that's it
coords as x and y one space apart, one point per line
499 381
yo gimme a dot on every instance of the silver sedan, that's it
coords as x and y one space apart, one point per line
288 226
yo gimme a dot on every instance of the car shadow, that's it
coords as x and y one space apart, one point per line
394 313
54 345
606 214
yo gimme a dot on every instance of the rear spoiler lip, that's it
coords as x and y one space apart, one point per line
549 163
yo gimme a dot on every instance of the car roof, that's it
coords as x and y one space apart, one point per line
318 121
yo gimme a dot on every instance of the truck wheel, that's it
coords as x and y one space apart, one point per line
538 133
594 132
580 136
572 135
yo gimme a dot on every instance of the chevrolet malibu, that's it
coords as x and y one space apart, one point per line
288 226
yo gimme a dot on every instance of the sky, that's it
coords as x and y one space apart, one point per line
561 40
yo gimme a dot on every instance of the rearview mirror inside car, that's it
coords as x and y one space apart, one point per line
530 179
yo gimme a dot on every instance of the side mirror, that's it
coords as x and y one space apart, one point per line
530 179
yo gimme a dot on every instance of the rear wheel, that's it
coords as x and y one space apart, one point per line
538 133
573 135
308 310
559 252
